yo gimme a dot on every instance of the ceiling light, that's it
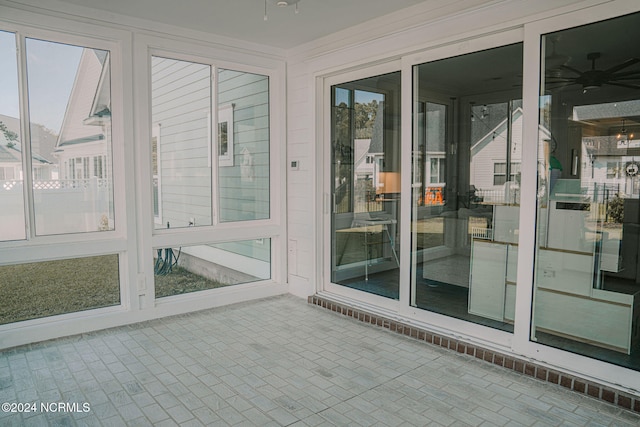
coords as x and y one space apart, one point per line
280 3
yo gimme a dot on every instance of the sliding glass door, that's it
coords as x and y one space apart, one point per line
587 279
465 185
365 189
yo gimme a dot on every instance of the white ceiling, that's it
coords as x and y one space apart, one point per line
243 19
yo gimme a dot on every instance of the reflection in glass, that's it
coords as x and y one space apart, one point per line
181 117
12 218
196 268
48 288
70 124
243 146
465 185
587 285
366 184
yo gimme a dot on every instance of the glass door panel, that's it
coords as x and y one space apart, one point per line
587 279
365 171
12 215
465 180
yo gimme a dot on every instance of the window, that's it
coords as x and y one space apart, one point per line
182 106
46 288
436 171
244 176
68 99
155 165
203 267
70 116
225 135
12 215
500 173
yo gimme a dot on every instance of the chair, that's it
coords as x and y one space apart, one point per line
365 220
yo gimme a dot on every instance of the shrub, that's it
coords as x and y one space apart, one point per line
615 209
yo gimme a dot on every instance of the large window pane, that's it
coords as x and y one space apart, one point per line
181 117
40 289
465 178
243 145
12 218
201 267
366 184
587 282
70 124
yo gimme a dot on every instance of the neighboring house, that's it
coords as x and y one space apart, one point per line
610 156
11 149
83 146
489 157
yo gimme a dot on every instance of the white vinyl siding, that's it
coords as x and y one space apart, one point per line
244 187
181 105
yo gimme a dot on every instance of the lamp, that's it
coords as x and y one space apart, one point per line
388 183
624 137
280 3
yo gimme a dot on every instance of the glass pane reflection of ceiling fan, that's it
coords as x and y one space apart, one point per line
622 75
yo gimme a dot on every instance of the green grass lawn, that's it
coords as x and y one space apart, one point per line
48 288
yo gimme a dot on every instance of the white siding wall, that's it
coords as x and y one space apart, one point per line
181 99
244 187
302 209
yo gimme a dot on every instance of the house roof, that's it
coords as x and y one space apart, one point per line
90 97
489 136
12 153
91 138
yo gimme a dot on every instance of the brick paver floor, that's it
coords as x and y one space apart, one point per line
275 362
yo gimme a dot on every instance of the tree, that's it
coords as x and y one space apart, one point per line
615 209
11 136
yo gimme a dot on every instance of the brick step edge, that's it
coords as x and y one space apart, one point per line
574 383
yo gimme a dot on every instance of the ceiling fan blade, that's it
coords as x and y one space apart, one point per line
573 70
625 64
559 80
626 75
558 86
628 86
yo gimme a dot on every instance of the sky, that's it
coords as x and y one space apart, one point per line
51 70
361 96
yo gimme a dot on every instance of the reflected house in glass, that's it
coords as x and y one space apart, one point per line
11 157
83 147
84 135
489 175
609 157
11 149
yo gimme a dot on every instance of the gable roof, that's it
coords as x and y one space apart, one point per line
86 99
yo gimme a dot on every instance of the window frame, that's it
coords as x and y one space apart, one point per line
117 128
37 248
146 46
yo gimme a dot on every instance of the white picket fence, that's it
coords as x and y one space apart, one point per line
61 206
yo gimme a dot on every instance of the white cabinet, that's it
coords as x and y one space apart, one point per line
566 302
486 285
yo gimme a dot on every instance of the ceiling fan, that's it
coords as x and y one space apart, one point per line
618 75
